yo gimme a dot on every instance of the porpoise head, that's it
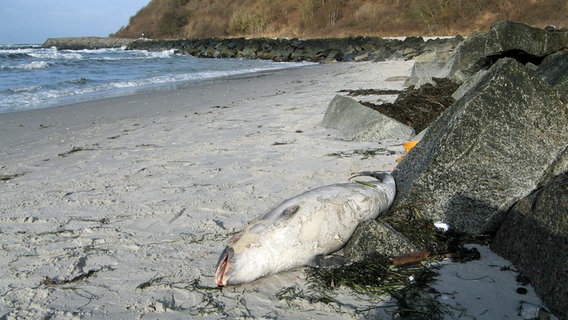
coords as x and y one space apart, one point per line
243 260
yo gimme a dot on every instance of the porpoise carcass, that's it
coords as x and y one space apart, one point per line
303 229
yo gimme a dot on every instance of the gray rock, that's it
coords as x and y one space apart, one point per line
560 165
535 238
469 83
504 39
439 49
376 237
358 122
420 135
505 36
467 59
491 148
455 67
247 52
423 72
554 68
362 56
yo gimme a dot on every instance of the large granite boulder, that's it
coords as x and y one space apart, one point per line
505 36
481 49
504 39
535 238
358 122
492 147
424 72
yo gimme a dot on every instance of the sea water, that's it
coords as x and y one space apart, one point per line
33 77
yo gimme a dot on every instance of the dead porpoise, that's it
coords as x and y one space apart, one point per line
304 228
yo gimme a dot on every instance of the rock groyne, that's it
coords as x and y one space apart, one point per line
277 49
314 50
80 43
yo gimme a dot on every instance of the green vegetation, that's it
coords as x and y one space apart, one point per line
333 18
173 18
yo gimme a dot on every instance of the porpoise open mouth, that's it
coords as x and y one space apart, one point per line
222 268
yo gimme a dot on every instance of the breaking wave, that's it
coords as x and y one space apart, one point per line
33 77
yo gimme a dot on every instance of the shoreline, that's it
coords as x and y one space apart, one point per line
79 75
135 197
155 91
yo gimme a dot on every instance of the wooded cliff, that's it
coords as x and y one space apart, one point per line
162 19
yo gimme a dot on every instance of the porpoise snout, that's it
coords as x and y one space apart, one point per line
223 267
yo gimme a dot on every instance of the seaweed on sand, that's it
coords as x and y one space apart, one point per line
289 294
375 275
418 300
6 177
364 153
209 303
77 149
367 92
83 276
418 108
408 285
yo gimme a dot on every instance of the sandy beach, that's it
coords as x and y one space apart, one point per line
119 208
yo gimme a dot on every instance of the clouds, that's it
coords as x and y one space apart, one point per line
33 21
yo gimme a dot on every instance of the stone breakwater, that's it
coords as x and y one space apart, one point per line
80 43
277 49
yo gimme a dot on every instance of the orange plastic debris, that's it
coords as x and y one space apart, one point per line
409 145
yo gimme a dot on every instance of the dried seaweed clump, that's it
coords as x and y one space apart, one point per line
409 285
418 108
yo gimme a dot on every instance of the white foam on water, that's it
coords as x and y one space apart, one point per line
35 77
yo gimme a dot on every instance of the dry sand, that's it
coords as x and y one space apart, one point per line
119 208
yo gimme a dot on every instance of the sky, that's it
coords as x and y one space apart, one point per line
33 21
